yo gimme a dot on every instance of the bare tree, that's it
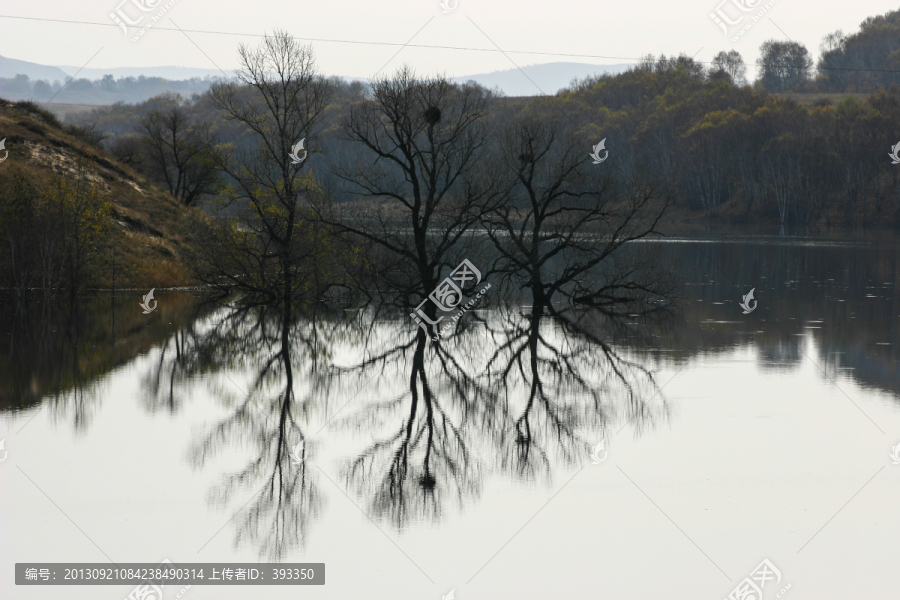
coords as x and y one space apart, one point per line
430 182
732 63
279 104
180 151
833 41
127 149
562 233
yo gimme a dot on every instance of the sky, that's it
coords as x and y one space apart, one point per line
357 38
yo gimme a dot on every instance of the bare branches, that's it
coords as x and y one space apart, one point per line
427 183
279 251
180 150
565 220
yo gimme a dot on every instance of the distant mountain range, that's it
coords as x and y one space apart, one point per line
537 80
174 73
532 80
10 67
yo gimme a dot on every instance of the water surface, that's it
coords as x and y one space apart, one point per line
210 433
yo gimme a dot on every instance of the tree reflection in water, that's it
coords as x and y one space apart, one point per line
563 384
514 390
286 357
525 390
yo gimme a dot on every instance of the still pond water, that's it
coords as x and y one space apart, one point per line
196 434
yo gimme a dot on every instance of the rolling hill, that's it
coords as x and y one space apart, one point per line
143 241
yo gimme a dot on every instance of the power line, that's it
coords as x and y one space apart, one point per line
337 41
426 46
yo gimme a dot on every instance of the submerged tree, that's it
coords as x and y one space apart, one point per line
563 233
427 183
566 238
273 247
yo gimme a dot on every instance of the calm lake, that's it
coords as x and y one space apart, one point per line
661 456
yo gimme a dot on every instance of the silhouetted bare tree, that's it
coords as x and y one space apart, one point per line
277 243
427 183
563 233
179 151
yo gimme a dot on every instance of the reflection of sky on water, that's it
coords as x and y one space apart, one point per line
731 439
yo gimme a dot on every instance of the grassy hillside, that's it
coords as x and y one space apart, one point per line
142 242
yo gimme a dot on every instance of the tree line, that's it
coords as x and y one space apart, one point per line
106 90
737 152
743 154
400 173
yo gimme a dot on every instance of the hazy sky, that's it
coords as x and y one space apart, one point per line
620 30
